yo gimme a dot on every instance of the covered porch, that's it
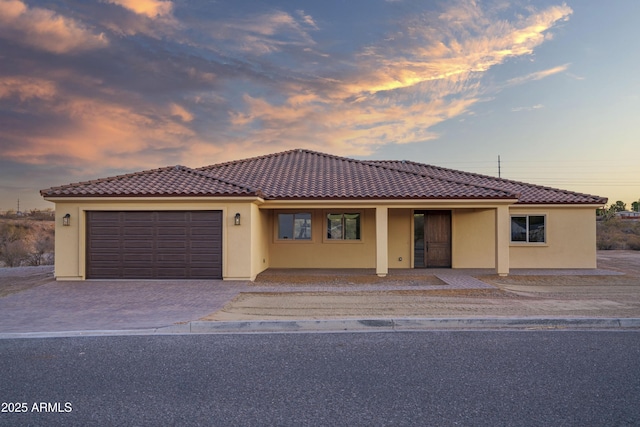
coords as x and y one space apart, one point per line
390 238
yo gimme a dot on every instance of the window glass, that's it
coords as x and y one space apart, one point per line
528 228
302 226
536 229
334 226
285 226
343 226
418 238
518 228
294 226
352 226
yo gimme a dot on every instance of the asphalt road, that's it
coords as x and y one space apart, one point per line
480 378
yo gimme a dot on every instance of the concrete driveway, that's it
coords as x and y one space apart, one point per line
112 305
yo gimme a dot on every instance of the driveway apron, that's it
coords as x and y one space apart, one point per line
113 305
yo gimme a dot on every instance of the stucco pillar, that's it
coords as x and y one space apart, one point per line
503 225
382 241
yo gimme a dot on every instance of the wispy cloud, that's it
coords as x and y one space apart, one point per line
27 88
538 75
531 108
265 33
46 30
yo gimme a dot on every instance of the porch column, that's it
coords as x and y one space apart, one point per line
382 241
503 225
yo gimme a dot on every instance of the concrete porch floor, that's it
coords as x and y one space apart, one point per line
400 273
406 278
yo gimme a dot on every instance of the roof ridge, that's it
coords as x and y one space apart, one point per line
180 168
107 179
455 181
493 178
249 159
257 192
281 153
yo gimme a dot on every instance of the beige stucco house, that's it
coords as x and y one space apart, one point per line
304 209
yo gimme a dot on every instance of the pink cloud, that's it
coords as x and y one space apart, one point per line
150 8
43 29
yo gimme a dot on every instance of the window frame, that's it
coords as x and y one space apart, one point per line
528 231
325 234
293 213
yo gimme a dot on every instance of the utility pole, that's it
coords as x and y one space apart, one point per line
499 175
18 211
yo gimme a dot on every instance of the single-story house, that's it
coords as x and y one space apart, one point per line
305 209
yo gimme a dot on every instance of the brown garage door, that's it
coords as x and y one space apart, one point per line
154 245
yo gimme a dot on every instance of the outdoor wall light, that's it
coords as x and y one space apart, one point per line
66 220
236 220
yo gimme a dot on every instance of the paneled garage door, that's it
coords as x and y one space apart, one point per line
154 245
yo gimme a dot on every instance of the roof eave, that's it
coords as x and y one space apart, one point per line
131 197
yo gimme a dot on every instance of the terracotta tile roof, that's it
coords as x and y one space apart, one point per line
304 174
529 193
168 181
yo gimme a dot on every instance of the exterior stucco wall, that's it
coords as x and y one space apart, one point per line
70 242
473 238
570 235
67 242
400 237
260 238
320 253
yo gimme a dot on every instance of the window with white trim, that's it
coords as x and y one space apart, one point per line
294 226
528 228
343 226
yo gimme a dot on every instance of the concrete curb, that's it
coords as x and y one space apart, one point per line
413 324
356 325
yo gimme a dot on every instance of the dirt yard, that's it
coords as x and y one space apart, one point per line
19 279
549 296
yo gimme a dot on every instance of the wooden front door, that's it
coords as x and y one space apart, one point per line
432 239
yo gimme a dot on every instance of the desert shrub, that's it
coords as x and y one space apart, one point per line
24 242
634 243
14 253
618 234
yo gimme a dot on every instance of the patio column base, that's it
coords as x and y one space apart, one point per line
382 275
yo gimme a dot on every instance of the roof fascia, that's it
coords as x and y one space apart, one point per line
394 203
557 205
249 199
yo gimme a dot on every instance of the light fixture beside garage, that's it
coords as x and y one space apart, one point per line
236 220
66 220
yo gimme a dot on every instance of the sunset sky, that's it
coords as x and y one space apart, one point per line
90 89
